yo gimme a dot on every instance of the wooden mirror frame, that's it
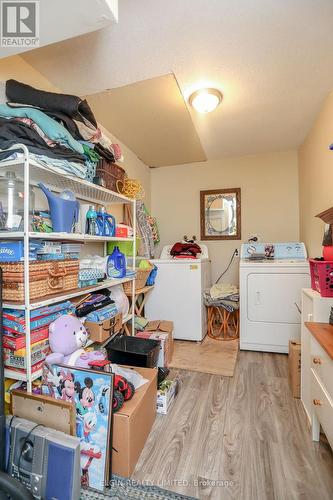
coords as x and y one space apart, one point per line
203 194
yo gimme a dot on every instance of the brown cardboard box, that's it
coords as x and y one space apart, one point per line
163 338
100 331
132 424
295 368
164 327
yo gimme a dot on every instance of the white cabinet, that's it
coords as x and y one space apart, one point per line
314 308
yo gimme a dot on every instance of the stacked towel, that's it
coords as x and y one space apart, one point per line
223 295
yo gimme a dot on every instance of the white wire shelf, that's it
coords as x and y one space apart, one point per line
84 190
32 173
18 235
22 375
53 299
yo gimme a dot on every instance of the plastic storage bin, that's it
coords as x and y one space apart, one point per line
133 351
322 276
126 247
12 202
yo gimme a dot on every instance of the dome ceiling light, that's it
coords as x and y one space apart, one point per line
205 100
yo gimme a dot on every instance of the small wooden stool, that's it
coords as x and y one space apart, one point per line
222 324
140 299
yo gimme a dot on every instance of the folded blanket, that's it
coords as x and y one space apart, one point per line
71 105
229 305
13 132
223 290
61 166
50 127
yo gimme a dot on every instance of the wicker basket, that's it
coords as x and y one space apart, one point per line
110 173
45 278
141 276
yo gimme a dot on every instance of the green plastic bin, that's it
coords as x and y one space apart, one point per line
126 247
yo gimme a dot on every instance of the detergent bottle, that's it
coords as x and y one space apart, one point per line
106 223
100 221
116 264
109 225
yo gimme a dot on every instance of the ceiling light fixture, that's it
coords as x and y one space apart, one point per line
205 100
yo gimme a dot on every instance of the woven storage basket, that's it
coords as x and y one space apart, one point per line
110 173
141 276
45 278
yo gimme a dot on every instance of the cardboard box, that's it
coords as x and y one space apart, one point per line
166 395
132 424
294 359
159 326
163 338
100 331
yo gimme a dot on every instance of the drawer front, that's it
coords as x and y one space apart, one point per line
322 406
322 365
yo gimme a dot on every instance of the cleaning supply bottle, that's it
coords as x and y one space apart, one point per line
106 223
116 264
101 222
91 223
109 225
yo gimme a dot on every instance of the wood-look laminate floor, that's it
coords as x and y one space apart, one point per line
246 433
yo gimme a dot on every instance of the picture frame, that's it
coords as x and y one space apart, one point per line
220 214
50 412
91 392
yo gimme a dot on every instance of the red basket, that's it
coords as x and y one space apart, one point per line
322 276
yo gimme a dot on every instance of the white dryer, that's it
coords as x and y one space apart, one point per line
178 293
270 295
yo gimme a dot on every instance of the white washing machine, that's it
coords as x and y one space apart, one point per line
178 293
270 295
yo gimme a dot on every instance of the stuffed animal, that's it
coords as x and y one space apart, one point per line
67 337
189 240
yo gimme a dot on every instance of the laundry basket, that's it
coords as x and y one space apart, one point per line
110 173
45 278
141 276
322 276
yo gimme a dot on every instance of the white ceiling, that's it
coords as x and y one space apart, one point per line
273 60
62 19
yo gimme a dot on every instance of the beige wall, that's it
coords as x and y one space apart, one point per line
134 167
17 68
316 178
269 190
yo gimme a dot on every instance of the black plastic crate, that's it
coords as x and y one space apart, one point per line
133 351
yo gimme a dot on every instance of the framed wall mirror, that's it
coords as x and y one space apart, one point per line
220 214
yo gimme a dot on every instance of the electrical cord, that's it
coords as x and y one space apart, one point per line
23 446
9 442
228 266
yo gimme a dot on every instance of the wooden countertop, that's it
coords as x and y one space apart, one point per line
323 333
